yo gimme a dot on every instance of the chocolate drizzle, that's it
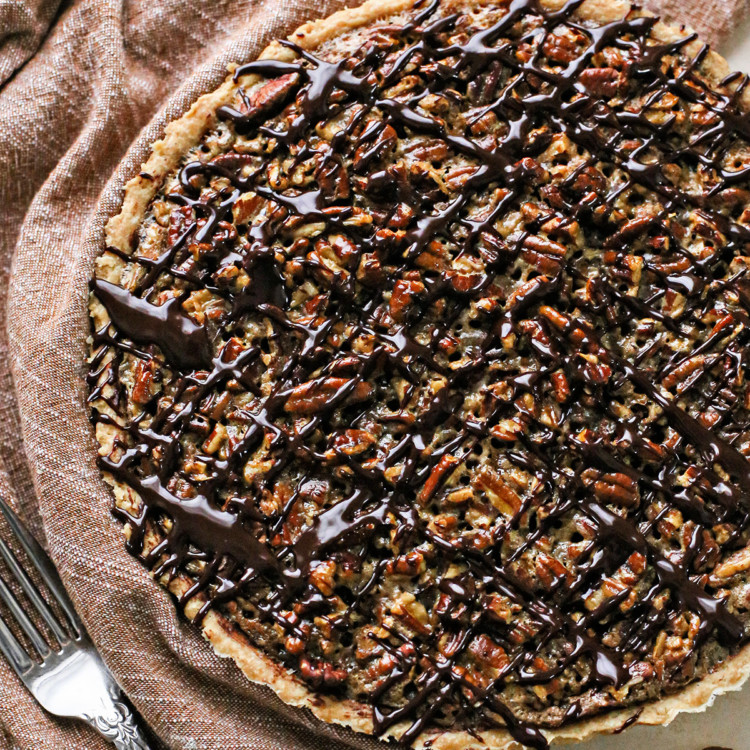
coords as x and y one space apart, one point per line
184 343
390 309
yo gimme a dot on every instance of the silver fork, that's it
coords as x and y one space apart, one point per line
67 678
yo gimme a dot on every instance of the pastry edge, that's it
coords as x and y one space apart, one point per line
226 640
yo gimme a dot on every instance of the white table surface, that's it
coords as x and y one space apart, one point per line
727 722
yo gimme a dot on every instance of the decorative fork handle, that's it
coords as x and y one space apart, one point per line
116 722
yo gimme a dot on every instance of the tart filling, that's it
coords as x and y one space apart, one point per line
425 367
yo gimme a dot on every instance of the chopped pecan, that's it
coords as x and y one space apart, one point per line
594 370
313 395
353 442
637 563
525 292
401 297
458 177
549 570
434 258
733 197
294 645
409 564
590 178
554 316
232 161
370 271
500 494
401 217
321 673
553 196
333 179
679 375
489 653
629 231
247 207
543 263
560 386
603 82
321 576
429 150
143 382
179 220
532 170
560 48
344 248
412 613
438 475
216 439
544 245
507 429
385 141
736 563
459 496
616 488
272 92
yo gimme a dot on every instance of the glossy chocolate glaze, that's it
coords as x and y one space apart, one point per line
228 533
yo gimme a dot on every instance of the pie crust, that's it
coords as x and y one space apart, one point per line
226 639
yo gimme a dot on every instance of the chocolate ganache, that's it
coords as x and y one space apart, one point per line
428 367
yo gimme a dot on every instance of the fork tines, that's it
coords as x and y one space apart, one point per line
63 629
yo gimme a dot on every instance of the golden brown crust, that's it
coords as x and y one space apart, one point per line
226 639
257 667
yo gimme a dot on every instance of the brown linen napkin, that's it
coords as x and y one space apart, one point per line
73 98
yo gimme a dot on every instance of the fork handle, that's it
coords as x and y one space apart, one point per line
116 722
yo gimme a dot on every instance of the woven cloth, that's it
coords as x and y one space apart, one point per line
85 86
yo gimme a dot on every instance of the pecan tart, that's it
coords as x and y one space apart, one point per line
418 369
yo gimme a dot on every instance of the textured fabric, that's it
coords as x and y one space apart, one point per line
78 82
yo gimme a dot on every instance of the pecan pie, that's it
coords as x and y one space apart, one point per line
418 369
